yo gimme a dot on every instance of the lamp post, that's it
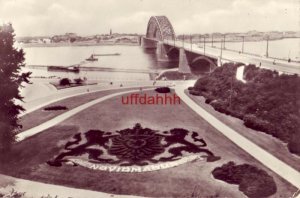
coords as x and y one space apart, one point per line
230 96
243 44
267 50
221 52
191 40
224 40
199 40
204 44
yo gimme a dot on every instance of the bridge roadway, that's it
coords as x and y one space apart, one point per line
228 55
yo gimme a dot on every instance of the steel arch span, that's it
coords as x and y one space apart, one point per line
160 28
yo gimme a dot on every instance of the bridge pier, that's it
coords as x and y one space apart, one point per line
161 53
147 43
183 62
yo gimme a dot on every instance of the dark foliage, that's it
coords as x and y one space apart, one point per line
294 145
55 108
78 81
268 102
65 81
208 100
195 92
163 90
11 61
252 181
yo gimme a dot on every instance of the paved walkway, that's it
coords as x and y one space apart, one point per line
282 169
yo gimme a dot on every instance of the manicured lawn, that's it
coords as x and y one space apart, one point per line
191 179
40 115
268 142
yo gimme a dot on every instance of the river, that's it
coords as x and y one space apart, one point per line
134 57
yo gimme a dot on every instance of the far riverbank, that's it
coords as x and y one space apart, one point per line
64 44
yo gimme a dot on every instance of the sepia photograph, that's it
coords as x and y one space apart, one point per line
149 99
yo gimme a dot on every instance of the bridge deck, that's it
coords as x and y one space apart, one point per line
229 55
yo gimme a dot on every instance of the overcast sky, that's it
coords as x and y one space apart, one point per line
89 17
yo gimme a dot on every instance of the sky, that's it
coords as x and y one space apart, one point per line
90 17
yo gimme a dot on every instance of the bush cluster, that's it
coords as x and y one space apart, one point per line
268 102
78 81
64 81
163 90
252 181
51 108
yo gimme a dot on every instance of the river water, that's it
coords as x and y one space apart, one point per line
131 57
134 57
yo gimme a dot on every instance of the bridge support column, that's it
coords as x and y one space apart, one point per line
183 63
147 43
161 52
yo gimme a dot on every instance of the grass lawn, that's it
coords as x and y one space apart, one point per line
28 158
40 115
268 142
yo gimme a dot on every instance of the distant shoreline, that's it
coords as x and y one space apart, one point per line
66 44
28 45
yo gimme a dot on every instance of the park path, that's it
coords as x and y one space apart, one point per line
282 169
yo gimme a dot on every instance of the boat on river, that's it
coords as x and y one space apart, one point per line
92 58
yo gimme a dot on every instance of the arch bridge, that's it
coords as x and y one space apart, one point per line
160 35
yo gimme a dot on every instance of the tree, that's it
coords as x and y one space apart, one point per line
11 78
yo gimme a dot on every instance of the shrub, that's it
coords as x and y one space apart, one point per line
294 145
195 93
256 123
208 100
220 106
65 81
55 108
163 90
252 181
190 88
78 81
